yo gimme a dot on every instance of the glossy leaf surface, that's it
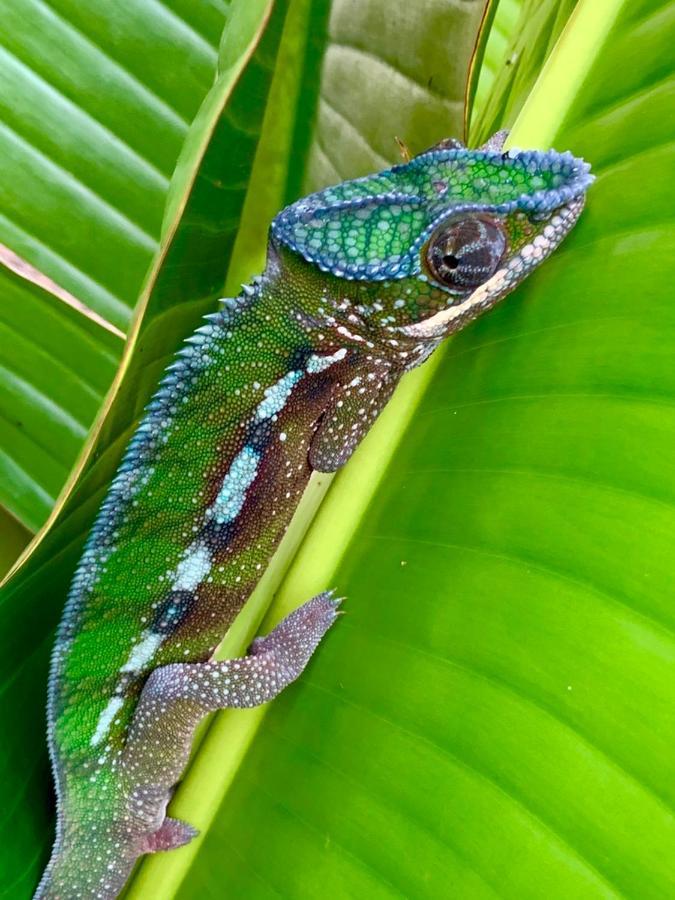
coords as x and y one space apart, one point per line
95 103
391 70
503 27
45 344
100 160
527 32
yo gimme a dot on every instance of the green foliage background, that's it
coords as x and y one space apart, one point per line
493 717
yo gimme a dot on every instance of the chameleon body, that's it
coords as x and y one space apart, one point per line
362 282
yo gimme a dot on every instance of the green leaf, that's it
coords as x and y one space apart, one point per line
91 123
287 125
45 343
531 38
387 75
493 715
186 276
13 538
498 31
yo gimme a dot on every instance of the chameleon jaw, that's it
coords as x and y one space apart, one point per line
504 280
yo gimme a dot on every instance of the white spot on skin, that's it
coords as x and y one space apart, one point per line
277 395
105 719
192 569
317 363
143 651
232 495
345 332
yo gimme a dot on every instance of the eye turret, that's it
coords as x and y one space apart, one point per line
463 253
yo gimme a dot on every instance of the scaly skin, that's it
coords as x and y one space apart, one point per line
362 282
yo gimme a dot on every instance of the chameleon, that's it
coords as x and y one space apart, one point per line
362 282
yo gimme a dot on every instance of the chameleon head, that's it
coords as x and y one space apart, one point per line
428 245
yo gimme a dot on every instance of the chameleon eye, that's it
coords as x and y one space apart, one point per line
464 253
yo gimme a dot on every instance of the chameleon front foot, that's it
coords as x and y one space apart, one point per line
177 696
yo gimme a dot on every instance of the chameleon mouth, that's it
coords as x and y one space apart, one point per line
372 228
504 280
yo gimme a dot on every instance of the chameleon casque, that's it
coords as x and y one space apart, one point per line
362 282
